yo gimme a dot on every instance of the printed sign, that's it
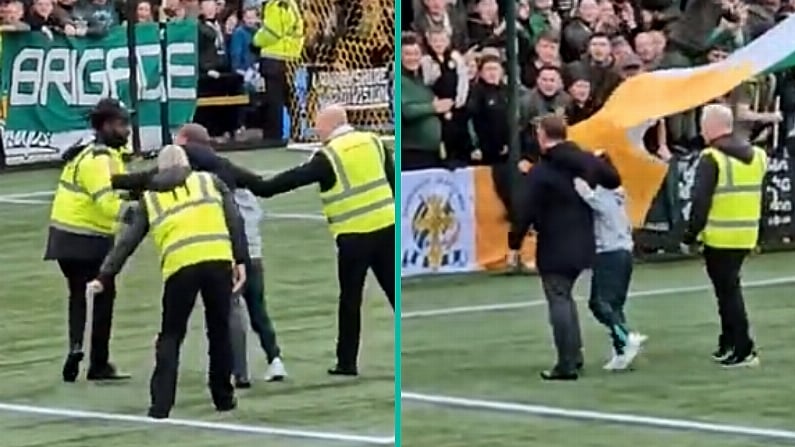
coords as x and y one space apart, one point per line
437 222
51 85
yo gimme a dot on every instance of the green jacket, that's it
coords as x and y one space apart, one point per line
421 129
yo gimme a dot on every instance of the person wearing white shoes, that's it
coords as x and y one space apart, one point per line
612 269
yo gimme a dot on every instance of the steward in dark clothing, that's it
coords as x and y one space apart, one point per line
724 264
201 264
564 224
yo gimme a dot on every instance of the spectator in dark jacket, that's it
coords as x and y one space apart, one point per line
488 109
215 76
549 203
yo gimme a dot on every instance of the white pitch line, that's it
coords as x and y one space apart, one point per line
213 426
597 416
525 304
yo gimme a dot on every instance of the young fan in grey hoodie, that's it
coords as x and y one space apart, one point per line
253 293
612 269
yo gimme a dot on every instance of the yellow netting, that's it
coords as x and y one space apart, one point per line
348 58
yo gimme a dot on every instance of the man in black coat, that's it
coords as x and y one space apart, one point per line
564 228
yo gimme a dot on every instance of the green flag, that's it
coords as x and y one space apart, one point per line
50 85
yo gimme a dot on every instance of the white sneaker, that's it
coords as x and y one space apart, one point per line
634 344
614 363
276 371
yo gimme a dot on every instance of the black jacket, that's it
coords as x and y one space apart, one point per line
707 179
133 234
563 222
317 170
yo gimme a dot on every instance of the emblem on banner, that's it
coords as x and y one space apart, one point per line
434 209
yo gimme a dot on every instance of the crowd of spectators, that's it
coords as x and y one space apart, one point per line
227 60
572 54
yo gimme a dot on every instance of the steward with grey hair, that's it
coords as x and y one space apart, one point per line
724 217
197 230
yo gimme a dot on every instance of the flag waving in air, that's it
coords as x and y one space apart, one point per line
637 103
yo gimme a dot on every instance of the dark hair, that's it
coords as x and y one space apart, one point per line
410 38
549 36
106 109
554 127
549 68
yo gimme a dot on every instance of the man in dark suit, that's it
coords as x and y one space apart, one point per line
563 222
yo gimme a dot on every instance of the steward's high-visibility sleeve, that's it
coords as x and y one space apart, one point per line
95 177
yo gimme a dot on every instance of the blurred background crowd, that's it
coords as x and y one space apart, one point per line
572 54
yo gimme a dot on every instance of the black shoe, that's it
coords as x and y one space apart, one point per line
338 370
741 361
722 353
556 374
157 414
106 373
228 405
242 384
71 367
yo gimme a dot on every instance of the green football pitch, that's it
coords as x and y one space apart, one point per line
472 347
310 409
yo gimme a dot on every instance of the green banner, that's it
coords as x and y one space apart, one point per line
51 84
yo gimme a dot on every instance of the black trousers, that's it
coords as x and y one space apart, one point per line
356 254
219 119
78 273
214 280
415 160
723 268
274 73
564 319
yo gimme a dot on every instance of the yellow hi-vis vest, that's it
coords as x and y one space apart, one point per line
85 202
733 220
188 224
361 200
282 33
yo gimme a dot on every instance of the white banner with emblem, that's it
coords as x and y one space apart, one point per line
437 209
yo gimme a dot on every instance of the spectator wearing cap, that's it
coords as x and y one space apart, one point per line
441 14
598 66
629 65
577 32
619 48
547 98
488 110
420 125
547 53
445 71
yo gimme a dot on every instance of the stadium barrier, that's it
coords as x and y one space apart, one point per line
454 222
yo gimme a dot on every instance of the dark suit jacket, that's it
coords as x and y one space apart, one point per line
563 222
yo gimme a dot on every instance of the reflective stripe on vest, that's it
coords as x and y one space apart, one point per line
733 220
75 209
362 204
190 227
